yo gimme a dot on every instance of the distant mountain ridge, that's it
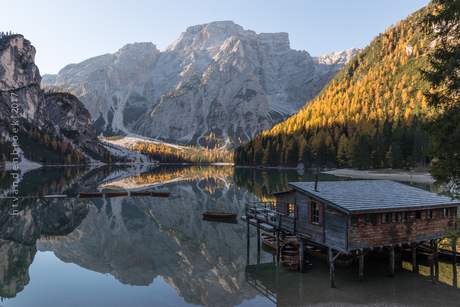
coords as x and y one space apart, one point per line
216 80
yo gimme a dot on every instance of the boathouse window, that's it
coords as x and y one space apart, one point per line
374 219
403 216
418 215
368 219
384 218
428 214
354 220
394 217
314 212
445 212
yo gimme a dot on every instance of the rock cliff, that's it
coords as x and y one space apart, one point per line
215 77
24 104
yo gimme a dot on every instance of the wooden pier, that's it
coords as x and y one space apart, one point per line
355 218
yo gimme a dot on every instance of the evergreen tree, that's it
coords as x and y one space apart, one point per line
444 77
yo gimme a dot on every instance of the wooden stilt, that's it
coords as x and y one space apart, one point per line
331 259
454 270
302 254
414 257
361 264
258 242
277 234
248 235
435 251
332 269
392 261
454 257
436 259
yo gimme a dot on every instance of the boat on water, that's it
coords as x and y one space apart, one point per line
160 193
116 194
220 215
290 257
443 254
220 220
421 255
320 252
140 193
88 195
270 240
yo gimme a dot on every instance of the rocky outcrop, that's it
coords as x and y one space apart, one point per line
24 104
215 77
70 117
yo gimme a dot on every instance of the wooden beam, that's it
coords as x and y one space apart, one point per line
361 264
331 259
277 234
392 261
302 254
258 242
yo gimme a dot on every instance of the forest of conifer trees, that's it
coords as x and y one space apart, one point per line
369 116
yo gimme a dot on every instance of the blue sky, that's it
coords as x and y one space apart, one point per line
65 32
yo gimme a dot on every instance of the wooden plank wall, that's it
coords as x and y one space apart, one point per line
335 228
364 236
314 232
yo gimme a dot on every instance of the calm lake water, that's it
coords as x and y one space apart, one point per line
148 251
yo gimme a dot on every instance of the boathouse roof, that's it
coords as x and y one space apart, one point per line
372 195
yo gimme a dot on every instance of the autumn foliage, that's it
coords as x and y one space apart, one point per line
369 115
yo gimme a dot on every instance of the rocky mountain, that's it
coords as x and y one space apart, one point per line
24 105
215 78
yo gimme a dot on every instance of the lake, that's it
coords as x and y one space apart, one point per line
153 251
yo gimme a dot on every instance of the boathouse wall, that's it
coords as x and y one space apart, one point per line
330 230
335 228
374 233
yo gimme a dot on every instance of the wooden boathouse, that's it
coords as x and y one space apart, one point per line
355 217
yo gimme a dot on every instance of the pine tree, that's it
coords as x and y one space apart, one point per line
444 76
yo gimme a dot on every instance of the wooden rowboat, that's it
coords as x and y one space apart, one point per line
290 258
443 254
160 194
320 252
115 194
421 255
140 193
270 240
220 215
220 220
88 195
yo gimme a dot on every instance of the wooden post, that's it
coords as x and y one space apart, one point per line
361 264
248 235
302 254
414 257
454 252
392 261
258 242
331 266
277 235
436 258
454 271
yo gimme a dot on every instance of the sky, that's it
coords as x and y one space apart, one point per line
65 32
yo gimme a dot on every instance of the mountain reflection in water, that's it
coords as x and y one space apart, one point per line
138 240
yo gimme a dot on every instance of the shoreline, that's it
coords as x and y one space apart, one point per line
395 175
